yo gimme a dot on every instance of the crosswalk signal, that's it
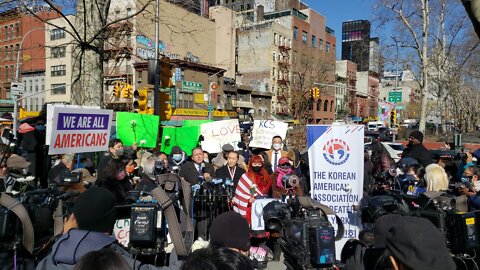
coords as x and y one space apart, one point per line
166 73
140 100
117 88
393 117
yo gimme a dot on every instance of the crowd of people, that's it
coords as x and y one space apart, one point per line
87 241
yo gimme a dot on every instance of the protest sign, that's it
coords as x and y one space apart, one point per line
218 133
185 137
139 128
121 231
258 224
79 130
50 107
264 130
336 173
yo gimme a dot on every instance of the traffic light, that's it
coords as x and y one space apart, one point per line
393 117
117 88
311 94
166 109
166 73
316 93
141 100
21 113
127 91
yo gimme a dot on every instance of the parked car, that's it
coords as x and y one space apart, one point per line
394 149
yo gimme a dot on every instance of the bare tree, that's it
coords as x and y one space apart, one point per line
89 31
306 71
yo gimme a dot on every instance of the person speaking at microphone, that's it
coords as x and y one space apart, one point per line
196 172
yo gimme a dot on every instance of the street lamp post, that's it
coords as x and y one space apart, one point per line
17 75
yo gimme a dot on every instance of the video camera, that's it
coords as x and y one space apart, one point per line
307 238
445 211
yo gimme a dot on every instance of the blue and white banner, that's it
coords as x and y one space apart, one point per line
335 156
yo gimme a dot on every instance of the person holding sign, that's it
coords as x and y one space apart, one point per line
254 183
275 154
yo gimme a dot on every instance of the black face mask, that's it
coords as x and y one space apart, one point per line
256 169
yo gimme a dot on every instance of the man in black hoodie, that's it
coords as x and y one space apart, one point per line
88 229
415 149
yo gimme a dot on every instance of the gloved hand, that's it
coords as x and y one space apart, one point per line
356 261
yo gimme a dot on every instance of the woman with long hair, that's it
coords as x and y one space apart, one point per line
381 159
436 178
254 183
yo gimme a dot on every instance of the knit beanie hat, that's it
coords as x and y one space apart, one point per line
95 210
418 244
176 150
230 230
417 134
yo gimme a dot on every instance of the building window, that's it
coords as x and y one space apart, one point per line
331 105
185 100
58 52
320 44
327 47
273 73
6 72
274 56
6 32
17 29
58 89
304 37
295 32
57 33
59 70
325 106
129 12
313 41
274 38
13 72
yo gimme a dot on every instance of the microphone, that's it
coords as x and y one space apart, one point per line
217 181
195 189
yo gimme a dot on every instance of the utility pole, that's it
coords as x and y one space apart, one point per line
156 89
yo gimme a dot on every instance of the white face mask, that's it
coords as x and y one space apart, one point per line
476 186
277 146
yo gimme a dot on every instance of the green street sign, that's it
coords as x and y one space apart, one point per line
400 107
394 96
193 87
173 97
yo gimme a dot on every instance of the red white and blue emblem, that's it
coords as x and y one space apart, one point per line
336 151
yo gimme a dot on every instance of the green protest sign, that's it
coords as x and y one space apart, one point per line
185 137
139 128
195 123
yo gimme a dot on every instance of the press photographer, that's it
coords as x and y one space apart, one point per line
89 228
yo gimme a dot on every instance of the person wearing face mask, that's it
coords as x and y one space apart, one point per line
115 179
415 149
115 151
147 180
16 168
177 158
231 170
253 184
413 183
471 188
284 170
273 155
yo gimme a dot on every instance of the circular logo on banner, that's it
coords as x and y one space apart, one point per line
336 151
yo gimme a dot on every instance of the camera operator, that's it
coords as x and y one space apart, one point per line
16 168
57 172
89 229
282 186
470 187
410 243
151 167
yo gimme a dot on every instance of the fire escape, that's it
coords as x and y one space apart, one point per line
283 81
352 97
117 67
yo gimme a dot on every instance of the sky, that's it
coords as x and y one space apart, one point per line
338 11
